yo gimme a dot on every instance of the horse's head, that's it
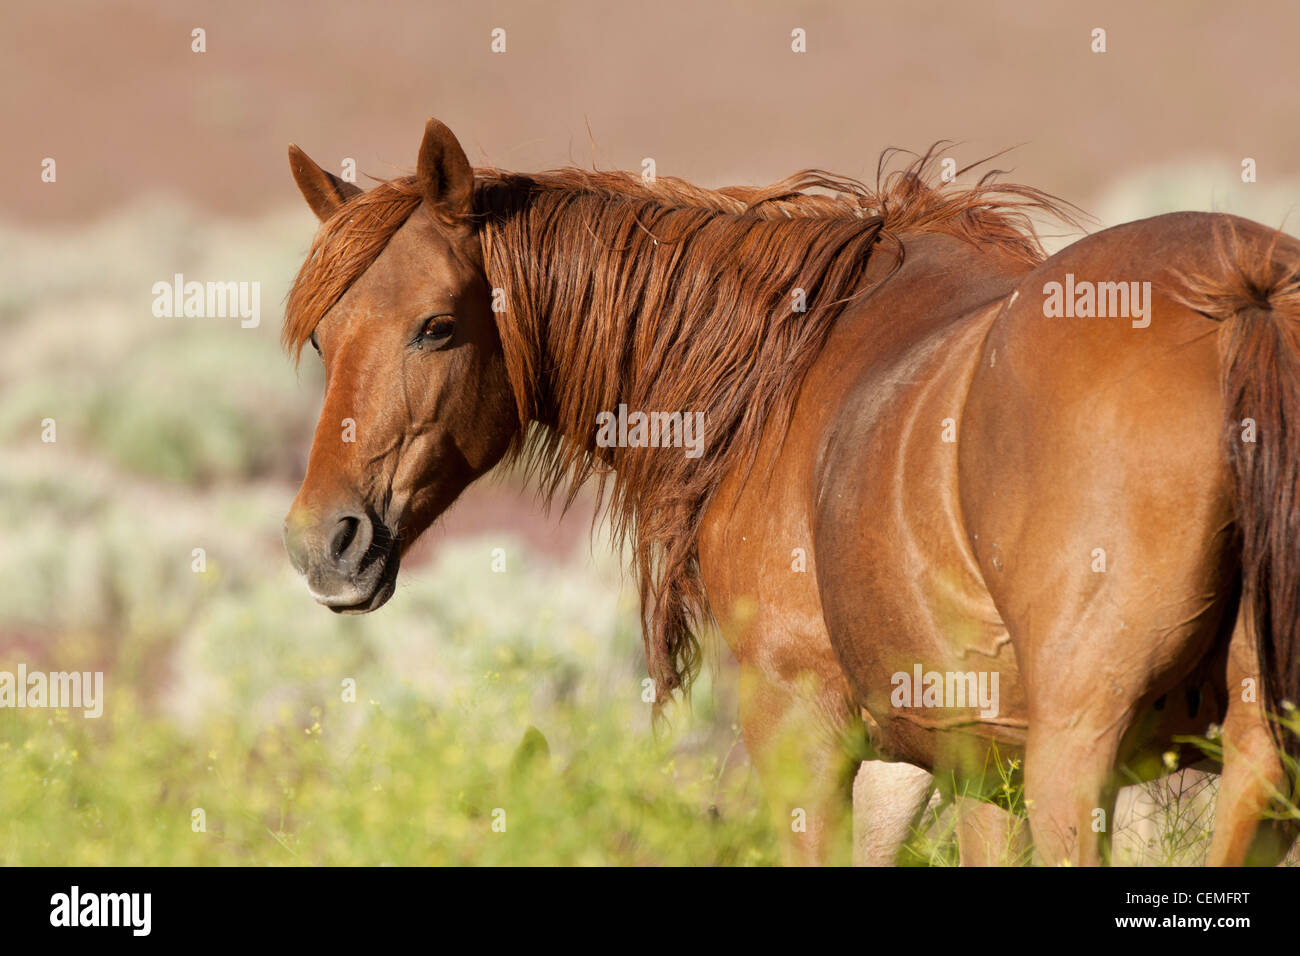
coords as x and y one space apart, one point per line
417 402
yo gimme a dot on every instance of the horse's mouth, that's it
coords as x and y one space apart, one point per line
373 590
378 599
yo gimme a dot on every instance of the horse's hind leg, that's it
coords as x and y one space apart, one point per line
1069 793
1094 672
1102 658
1251 774
1252 770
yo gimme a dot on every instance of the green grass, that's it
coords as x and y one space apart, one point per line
345 784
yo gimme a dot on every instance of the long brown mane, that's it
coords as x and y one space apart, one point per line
669 297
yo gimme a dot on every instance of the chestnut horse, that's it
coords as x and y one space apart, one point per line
953 500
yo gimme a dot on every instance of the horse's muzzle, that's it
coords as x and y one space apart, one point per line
349 558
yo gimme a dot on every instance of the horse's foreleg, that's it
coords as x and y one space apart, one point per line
797 742
888 799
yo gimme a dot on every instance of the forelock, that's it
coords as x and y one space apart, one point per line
345 246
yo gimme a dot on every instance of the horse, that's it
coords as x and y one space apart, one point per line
960 508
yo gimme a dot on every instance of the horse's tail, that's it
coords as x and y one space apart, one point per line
1256 297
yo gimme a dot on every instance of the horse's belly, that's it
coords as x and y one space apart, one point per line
914 626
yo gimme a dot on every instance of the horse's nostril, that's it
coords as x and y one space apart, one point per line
345 533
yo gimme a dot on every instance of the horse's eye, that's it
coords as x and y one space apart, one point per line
316 345
436 332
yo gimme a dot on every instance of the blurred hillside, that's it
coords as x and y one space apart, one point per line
711 91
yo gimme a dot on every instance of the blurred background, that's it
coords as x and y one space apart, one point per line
475 691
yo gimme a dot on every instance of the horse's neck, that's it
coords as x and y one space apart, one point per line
709 327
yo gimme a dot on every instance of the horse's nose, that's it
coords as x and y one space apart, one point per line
331 548
295 541
349 540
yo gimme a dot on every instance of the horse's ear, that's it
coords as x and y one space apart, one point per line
323 191
444 172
